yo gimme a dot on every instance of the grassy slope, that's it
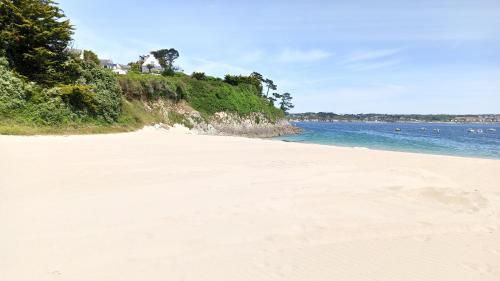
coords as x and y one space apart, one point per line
207 96
213 96
134 116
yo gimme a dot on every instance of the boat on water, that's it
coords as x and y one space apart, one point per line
480 131
397 130
437 130
470 130
491 130
423 129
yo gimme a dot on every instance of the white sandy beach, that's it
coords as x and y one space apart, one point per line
155 205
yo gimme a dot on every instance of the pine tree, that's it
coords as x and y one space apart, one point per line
34 38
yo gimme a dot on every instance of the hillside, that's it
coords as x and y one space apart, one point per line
101 101
46 86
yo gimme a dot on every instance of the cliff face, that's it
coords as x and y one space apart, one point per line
222 123
254 125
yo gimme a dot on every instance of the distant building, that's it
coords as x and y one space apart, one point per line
151 65
116 68
106 63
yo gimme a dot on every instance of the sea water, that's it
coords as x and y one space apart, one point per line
470 140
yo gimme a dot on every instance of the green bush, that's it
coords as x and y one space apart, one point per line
46 107
146 86
199 75
78 97
96 95
106 98
13 90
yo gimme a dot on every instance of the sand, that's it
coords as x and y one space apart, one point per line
155 205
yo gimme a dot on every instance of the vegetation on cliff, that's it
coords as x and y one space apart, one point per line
47 87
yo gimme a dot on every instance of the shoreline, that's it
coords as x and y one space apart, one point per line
183 130
389 150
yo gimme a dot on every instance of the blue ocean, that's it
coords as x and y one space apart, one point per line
469 140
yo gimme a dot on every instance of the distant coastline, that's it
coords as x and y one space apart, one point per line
395 118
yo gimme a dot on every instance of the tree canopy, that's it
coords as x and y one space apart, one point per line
90 56
34 36
284 101
166 58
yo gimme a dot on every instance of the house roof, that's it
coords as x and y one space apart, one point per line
151 60
106 62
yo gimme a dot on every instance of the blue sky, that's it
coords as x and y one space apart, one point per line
386 56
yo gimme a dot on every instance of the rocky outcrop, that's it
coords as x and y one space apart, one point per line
254 125
222 123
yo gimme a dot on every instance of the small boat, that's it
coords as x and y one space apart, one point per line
491 130
437 130
470 130
423 129
480 131
397 130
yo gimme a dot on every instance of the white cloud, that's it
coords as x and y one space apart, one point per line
372 59
374 65
303 56
370 55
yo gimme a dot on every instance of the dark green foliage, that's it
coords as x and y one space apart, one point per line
210 97
240 79
166 58
284 101
146 87
13 89
78 97
104 85
95 96
270 86
199 75
34 37
90 56
136 66
257 76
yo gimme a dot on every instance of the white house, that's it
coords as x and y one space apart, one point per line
121 69
151 64
116 68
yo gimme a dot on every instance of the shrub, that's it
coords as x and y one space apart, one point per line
13 90
106 91
237 80
46 107
146 86
78 97
199 75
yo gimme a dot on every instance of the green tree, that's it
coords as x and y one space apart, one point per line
284 101
90 57
166 58
136 66
270 86
34 37
258 77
